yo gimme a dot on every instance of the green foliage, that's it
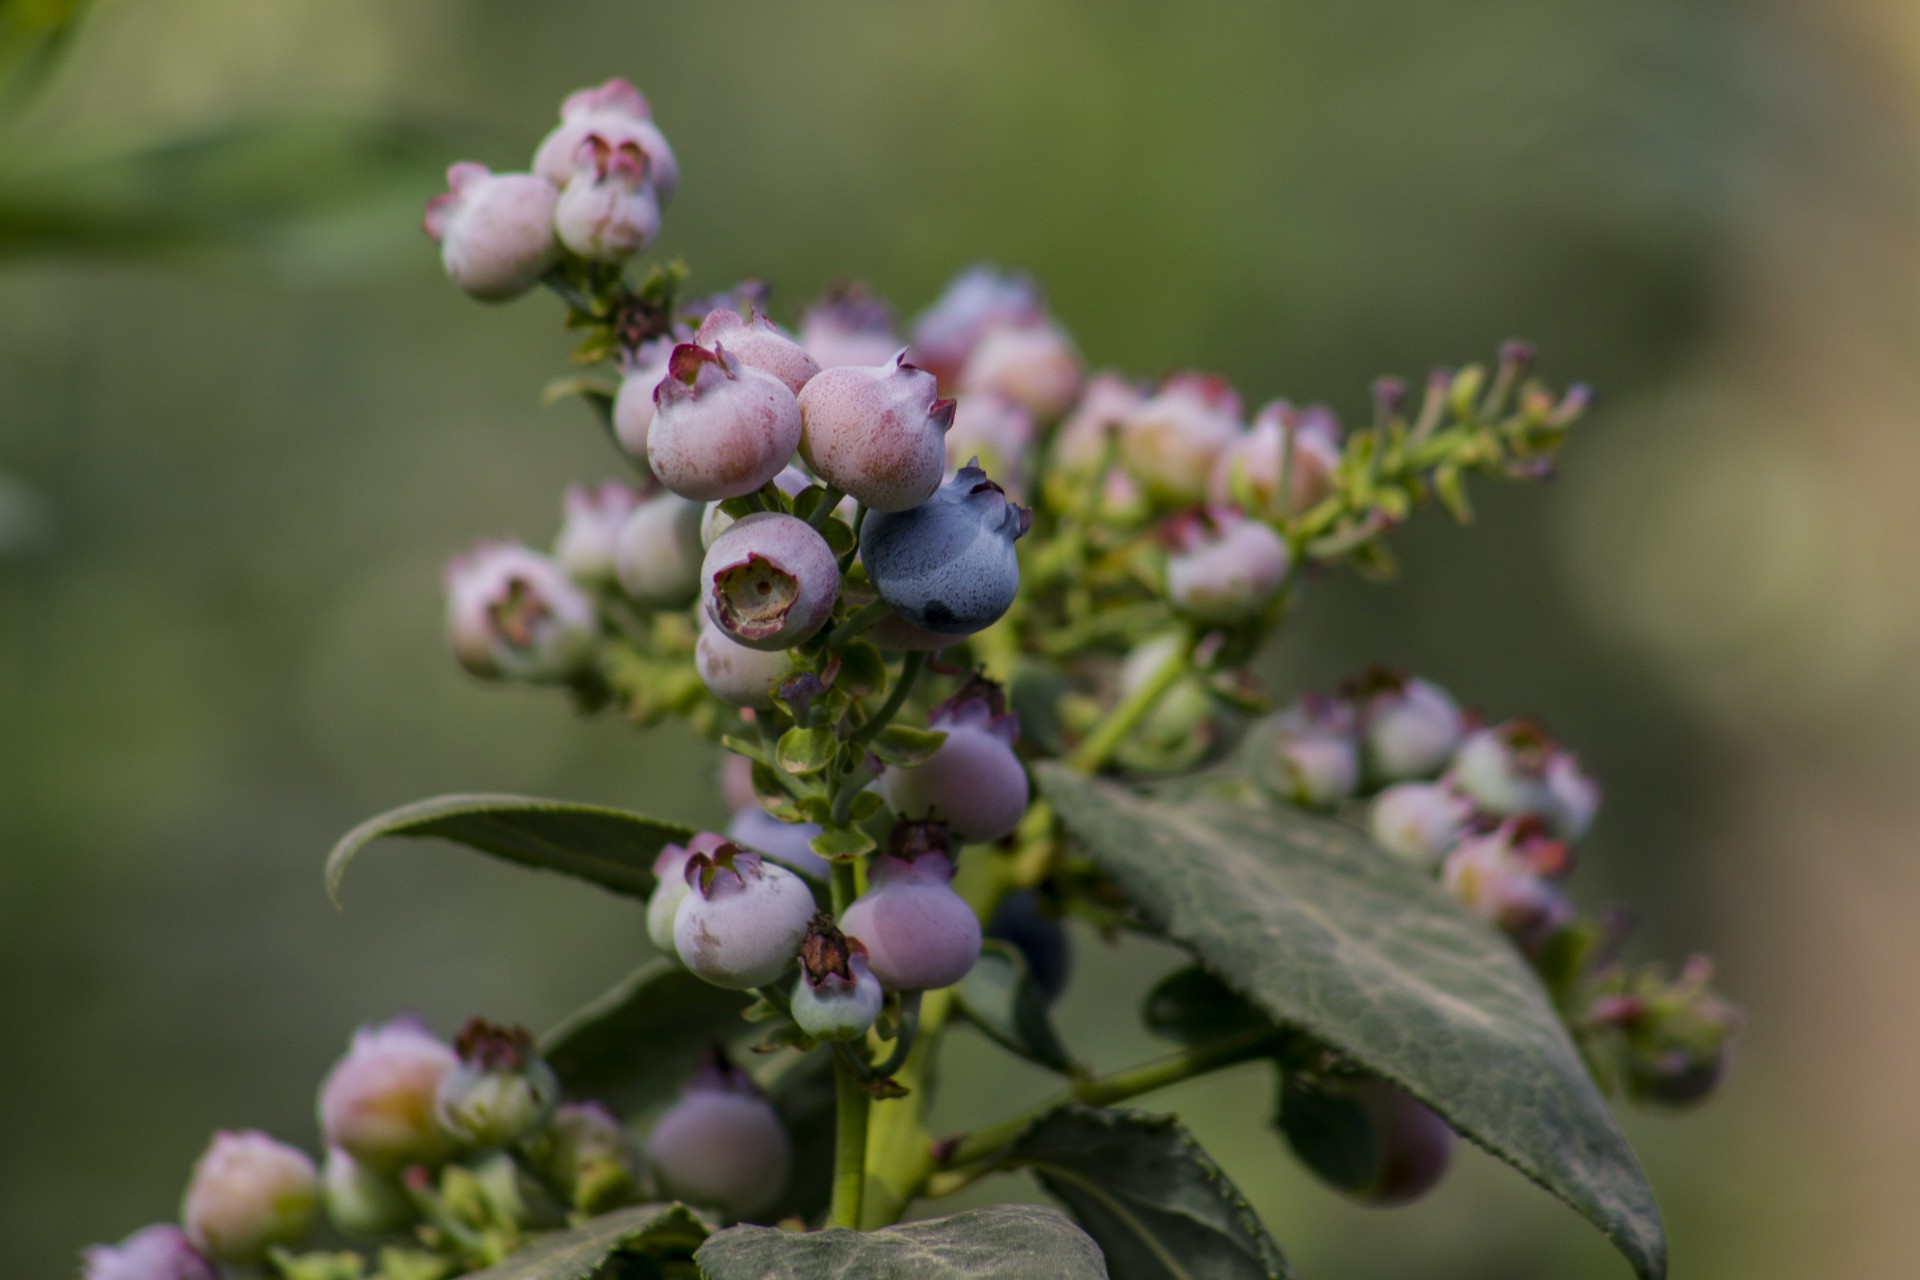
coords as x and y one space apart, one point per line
662 1233
640 1041
1325 933
1006 1242
1001 998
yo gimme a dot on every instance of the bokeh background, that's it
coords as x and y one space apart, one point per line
243 421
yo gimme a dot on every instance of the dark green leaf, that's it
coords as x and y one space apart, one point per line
1005 1242
609 847
659 1231
1192 1006
1159 1206
640 1043
1311 923
804 1095
1000 997
906 746
863 670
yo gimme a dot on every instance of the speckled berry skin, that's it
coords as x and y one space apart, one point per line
657 558
973 782
159 1252
918 932
513 615
1034 365
735 674
1503 769
1224 567
974 303
249 1193
949 565
1419 821
877 432
363 1203
495 231
1367 1138
590 530
1171 442
721 428
769 581
786 843
618 112
641 375
607 212
722 1145
377 1102
1409 727
759 344
741 923
1248 469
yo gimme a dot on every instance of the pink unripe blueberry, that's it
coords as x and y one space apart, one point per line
741 924
759 344
495 231
722 1145
949 565
590 531
877 432
1576 796
721 428
1248 470
918 932
1509 878
377 1103
249 1193
836 996
975 302
619 113
1309 752
513 615
608 211
1503 768
1107 403
588 1156
849 327
657 559
1366 1137
361 1202
770 581
1409 727
160 1252
642 374
787 843
502 1089
1222 566
973 782
1172 441
1034 365
670 886
791 481
992 428
1419 821
735 674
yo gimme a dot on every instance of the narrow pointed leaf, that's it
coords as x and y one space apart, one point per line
1005 1242
1308 921
662 1232
608 847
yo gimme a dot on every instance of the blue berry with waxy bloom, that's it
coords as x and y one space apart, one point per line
876 432
608 211
159 1252
501 1090
722 1144
249 1193
618 113
949 565
1041 938
1409 727
513 615
590 530
918 932
1419 821
836 996
377 1102
770 581
361 1202
721 428
741 923
587 1155
657 556
973 782
1222 566
495 231
1366 1137
759 343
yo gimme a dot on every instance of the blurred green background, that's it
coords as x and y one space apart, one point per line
243 421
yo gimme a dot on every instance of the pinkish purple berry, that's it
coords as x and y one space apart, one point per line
1510 878
1034 365
590 531
1409 727
657 559
249 1193
160 1252
877 432
1171 443
735 674
849 327
791 481
770 581
759 344
1419 821
495 231
836 996
1222 566
619 113
918 932
974 303
992 428
377 1102
973 782
1309 753
741 924
608 210
721 428
641 376
1302 444
513 615
722 1145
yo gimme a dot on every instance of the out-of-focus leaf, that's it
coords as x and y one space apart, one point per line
804 1095
33 34
1192 1006
662 1232
1005 1242
1000 997
640 1042
608 847
1324 932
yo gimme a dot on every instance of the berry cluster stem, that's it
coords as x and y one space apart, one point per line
1099 745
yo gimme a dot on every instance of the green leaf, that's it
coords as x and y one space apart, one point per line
863 671
840 843
1005 1242
641 1042
906 746
1192 1006
1159 1206
804 1095
804 751
999 996
1311 923
663 1232
608 847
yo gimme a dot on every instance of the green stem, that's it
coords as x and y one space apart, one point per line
910 670
828 501
903 1043
849 1145
865 616
1099 745
845 887
1100 1091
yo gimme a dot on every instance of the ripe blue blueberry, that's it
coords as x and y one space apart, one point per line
741 923
836 996
722 1144
948 565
